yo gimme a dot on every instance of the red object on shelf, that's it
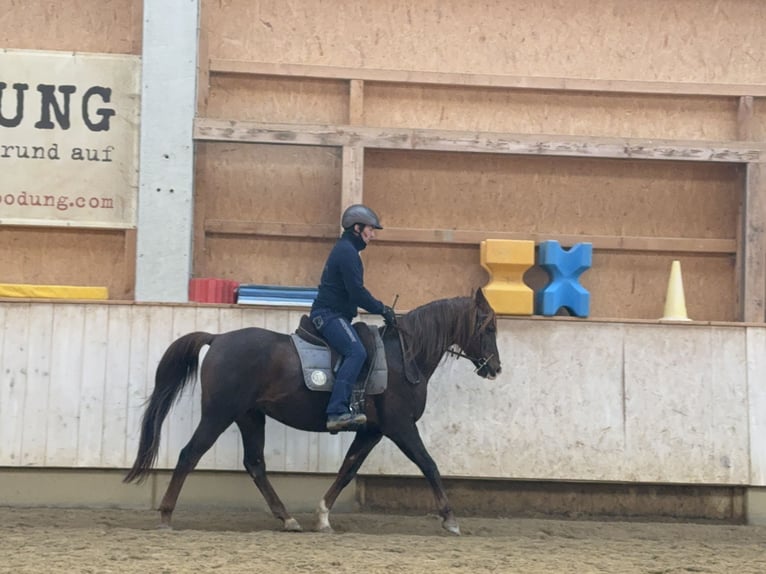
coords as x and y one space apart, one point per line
212 290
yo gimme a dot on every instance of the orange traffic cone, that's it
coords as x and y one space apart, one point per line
675 302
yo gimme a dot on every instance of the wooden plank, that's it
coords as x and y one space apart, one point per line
208 129
64 397
352 176
117 387
475 237
90 424
159 336
130 263
35 415
140 376
13 383
206 319
754 240
226 66
271 228
230 455
180 423
203 71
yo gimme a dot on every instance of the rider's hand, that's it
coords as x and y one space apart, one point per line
389 316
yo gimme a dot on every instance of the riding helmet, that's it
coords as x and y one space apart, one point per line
361 214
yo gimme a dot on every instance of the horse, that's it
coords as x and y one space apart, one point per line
251 373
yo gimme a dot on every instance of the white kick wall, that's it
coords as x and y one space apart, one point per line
596 401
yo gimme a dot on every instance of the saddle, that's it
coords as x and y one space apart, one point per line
319 361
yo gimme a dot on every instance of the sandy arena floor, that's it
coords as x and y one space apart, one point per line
102 541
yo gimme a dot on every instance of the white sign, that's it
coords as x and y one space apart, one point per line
69 126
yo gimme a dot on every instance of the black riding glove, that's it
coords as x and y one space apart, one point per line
389 316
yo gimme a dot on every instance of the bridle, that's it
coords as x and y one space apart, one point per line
480 363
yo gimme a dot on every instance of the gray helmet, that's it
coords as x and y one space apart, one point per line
359 213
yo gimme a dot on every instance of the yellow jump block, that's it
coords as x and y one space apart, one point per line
53 291
506 261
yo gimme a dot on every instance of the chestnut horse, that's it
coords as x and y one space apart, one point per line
252 373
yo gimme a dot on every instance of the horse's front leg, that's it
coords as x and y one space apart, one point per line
364 441
409 441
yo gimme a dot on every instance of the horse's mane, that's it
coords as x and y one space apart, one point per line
433 328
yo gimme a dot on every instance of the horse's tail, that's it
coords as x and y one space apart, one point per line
177 367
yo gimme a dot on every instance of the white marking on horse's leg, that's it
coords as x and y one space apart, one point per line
323 517
450 525
292 525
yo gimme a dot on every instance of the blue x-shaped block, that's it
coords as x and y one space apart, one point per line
564 268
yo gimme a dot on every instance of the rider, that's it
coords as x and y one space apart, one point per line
341 292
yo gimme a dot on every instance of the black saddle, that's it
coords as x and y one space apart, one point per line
309 333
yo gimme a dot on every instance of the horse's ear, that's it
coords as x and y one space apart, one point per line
481 301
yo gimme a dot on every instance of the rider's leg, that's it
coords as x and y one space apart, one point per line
342 337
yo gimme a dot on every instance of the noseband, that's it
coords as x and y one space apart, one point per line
478 332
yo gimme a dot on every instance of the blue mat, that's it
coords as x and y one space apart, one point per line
277 295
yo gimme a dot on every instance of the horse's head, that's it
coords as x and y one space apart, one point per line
481 349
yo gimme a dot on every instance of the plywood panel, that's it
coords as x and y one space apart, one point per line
622 284
67 257
78 26
288 184
563 195
705 41
270 261
634 286
263 98
578 113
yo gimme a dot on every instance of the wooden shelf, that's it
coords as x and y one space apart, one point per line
208 129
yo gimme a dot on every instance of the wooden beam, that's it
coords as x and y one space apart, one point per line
203 71
356 102
209 129
745 118
753 287
352 176
475 237
224 66
271 228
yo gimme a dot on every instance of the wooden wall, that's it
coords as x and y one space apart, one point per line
665 73
589 71
45 255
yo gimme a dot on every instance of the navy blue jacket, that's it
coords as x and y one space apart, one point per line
342 285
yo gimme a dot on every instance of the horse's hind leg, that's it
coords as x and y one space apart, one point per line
363 443
207 432
409 442
252 426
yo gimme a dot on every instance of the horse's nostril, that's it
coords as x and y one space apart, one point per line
500 369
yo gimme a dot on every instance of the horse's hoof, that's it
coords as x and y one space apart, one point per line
451 527
291 525
163 526
325 529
